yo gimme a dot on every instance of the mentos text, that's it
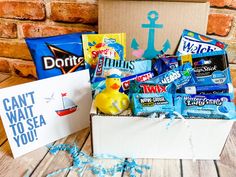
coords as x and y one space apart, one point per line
51 62
110 63
172 77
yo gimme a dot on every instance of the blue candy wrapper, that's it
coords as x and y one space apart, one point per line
210 68
165 63
57 55
146 104
205 106
181 76
217 89
138 77
150 87
127 68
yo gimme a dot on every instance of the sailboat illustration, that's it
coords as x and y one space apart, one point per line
68 106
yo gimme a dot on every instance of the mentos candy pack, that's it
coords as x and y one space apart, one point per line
181 76
205 106
210 68
57 55
127 68
194 43
108 45
146 104
165 63
150 87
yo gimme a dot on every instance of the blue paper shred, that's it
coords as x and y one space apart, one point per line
81 159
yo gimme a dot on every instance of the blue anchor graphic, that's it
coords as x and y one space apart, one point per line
151 52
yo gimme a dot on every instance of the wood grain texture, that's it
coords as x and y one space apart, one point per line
13 80
159 168
3 76
3 136
51 163
199 168
10 167
227 164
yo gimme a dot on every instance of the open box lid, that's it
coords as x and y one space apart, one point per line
116 16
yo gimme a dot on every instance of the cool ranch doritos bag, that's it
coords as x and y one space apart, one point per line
57 55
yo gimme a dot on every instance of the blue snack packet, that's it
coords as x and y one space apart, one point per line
181 76
165 63
57 55
150 87
127 68
205 106
217 89
145 104
138 78
210 68
194 43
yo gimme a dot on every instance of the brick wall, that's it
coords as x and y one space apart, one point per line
34 18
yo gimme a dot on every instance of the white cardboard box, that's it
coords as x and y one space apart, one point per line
140 137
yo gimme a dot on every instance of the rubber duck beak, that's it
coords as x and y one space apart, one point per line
115 86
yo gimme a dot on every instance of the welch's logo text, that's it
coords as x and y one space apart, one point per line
190 45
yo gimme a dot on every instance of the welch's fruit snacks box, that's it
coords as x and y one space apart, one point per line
194 43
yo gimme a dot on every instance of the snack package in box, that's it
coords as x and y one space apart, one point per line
57 55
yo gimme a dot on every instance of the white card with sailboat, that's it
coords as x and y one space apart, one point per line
40 112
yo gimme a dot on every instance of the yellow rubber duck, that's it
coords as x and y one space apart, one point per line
110 101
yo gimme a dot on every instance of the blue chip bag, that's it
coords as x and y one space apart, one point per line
57 55
205 106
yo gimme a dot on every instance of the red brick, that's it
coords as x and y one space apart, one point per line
39 30
220 3
14 49
4 65
231 50
233 75
22 10
23 68
219 24
8 30
233 4
74 12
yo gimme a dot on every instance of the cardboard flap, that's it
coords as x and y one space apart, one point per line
128 16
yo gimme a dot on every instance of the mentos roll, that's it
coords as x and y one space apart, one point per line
57 55
127 68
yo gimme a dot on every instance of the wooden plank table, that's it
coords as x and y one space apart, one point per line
40 162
